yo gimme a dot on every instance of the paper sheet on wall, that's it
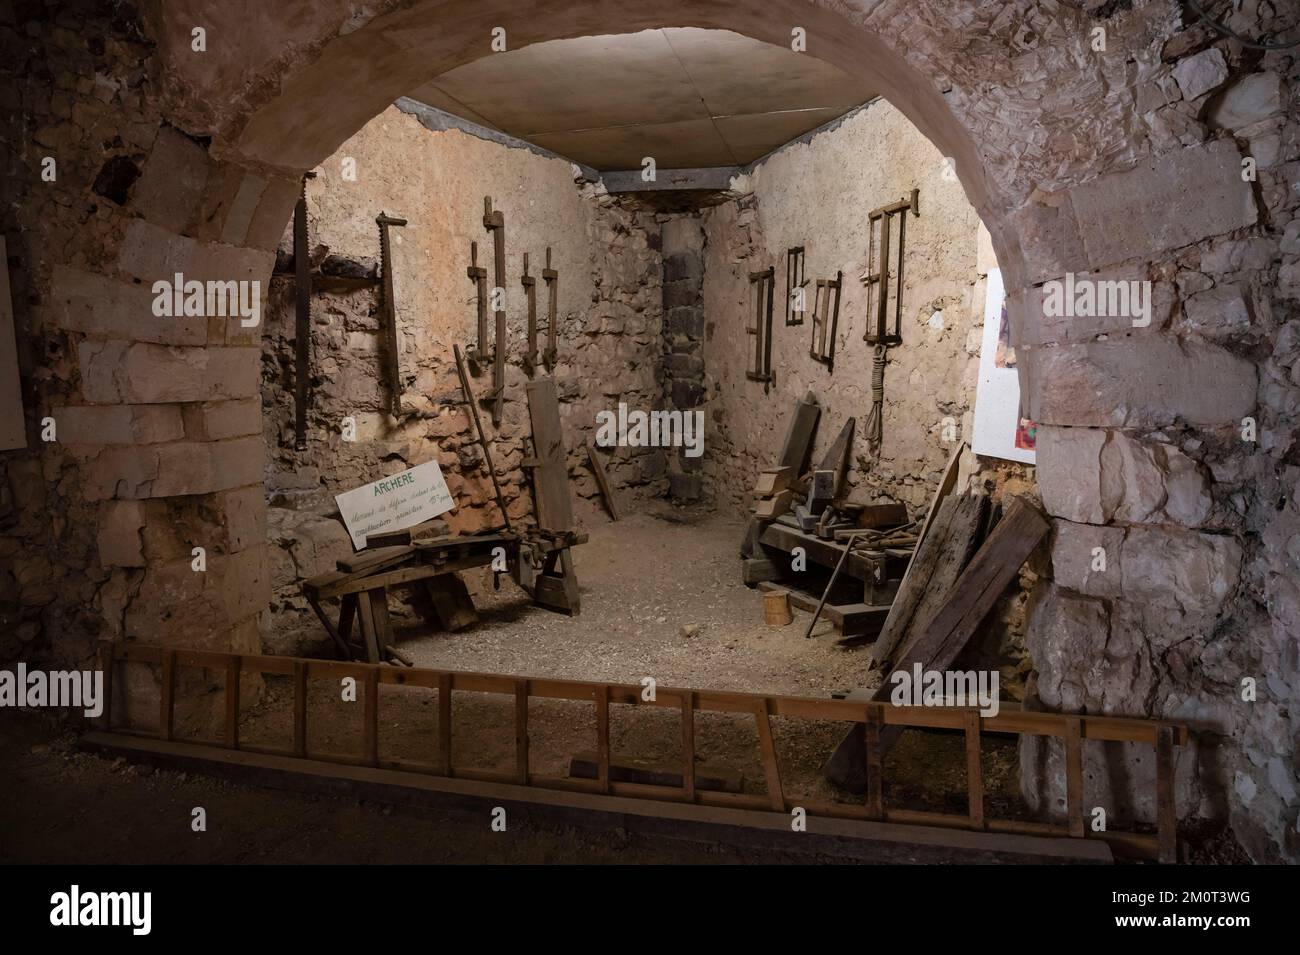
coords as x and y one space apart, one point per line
999 431
395 503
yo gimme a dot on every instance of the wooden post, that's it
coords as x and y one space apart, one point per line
776 608
974 770
771 768
370 717
167 711
688 745
1074 775
1166 809
232 702
300 708
521 732
875 764
602 737
444 722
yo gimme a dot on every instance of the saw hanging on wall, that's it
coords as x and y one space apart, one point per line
877 280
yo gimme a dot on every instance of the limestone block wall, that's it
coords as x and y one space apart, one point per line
609 320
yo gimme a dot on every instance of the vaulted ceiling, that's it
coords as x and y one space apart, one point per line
686 97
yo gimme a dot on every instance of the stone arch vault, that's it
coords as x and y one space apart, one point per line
1125 161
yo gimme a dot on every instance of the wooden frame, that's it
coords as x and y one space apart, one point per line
826 320
879 259
761 367
1162 736
795 280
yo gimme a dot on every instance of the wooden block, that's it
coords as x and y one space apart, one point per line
773 481
882 515
822 489
773 507
776 608
451 602
794 449
757 570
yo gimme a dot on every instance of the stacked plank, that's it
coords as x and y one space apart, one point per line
772 493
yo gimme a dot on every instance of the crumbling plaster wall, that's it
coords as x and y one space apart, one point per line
1077 157
609 321
817 194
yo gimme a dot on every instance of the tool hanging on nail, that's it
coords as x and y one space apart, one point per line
529 283
877 281
552 280
478 355
762 288
796 303
391 360
826 320
495 223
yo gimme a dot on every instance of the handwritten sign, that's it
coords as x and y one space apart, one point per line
394 503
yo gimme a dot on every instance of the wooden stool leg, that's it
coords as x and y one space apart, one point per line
366 614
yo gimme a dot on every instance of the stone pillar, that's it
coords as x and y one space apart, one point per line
684 388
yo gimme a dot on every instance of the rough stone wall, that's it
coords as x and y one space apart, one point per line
609 321
683 342
817 195
1076 157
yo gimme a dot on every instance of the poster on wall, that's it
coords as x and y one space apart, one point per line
395 503
999 430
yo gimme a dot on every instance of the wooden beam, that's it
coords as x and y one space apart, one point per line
602 481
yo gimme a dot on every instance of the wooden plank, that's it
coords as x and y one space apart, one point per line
232 702
1166 807
983 581
771 766
167 709
1074 776
451 602
444 723
373 561
521 732
855 619
826 553
938 562
975 771
392 578
551 476
300 709
649 772
602 480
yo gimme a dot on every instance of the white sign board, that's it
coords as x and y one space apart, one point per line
999 431
394 503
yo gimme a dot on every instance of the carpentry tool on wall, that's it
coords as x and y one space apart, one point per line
826 320
878 282
762 288
552 280
495 223
795 295
529 283
391 360
481 440
302 317
478 355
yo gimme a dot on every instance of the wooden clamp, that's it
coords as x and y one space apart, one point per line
552 280
495 223
529 283
478 355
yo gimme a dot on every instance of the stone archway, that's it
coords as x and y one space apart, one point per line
1077 159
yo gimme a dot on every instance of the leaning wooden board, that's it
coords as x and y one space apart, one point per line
936 646
794 453
551 475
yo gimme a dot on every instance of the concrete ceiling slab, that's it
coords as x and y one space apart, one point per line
687 97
